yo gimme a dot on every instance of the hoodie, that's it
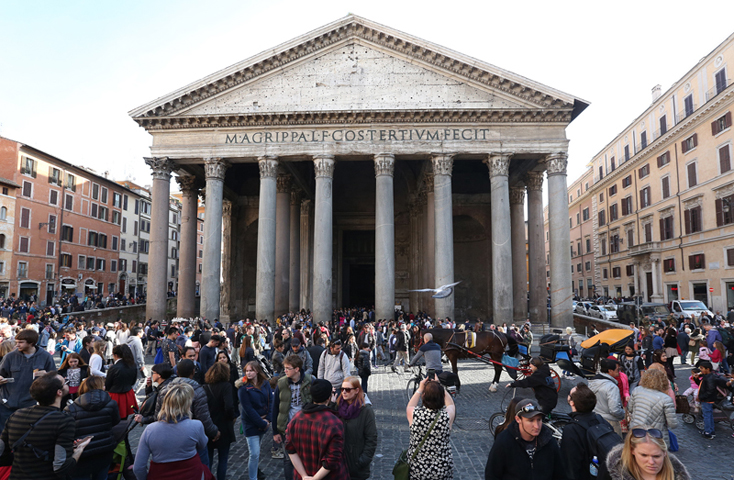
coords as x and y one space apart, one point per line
16 365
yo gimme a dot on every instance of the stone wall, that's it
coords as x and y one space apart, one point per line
128 313
582 323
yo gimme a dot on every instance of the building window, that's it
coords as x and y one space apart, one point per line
644 171
102 241
69 203
3 213
605 274
24 244
95 191
123 245
630 238
53 197
123 265
626 205
135 266
100 264
103 213
696 262
664 159
173 252
626 152
90 263
54 176
104 196
663 125
125 199
721 124
627 181
689 143
588 245
67 233
116 200
721 82
114 243
648 232
601 172
143 269
27 190
612 190
22 269
134 247
617 272
82 262
201 253
613 213
614 244
689 107
113 265
730 257
665 186
578 218
52 224
28 167
200 265
693 220
643 140
585 214
2 241
50 249
724 159
724 211
603 246
587 266
71 182
666 228
612 164
116 217
645 197
49 271
692 174
630 270
570 222
602 218
669 265
95 210
601 199
25 218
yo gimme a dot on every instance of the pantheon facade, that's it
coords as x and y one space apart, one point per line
354 164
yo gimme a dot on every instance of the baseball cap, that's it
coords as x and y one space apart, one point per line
295 342
528 408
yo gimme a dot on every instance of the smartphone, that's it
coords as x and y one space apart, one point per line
432 373
10 380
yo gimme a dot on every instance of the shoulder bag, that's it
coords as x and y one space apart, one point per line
401 470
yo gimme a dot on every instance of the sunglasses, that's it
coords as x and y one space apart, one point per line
529 408
641 433
345 389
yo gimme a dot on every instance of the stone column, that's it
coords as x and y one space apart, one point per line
430 251
636 277
657 296
536 248
155 307
265 286
519 265
384 237
225 300
212 264
282 244
186 301
560 238
294 286
323 239
444 231
499 169
305 294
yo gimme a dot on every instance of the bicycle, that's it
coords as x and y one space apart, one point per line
554 421
417 378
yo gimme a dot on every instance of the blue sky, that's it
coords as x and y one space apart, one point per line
70 71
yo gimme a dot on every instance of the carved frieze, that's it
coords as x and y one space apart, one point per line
442 164
667 211
556 163
268 166
215 168
724 191
384 164
646 220
693 202
499 164
161 167
324 166
517 195
283 183
534 181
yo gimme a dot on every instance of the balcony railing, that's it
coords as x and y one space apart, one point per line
717 90
685 113
644 248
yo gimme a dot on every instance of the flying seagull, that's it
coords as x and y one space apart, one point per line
440 292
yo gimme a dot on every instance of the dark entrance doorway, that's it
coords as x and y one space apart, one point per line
358 268
648 278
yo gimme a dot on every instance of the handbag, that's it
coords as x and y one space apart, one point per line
673 441
681 404
401 470
159 358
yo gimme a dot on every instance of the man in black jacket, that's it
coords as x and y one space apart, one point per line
707 395
526 449
315 351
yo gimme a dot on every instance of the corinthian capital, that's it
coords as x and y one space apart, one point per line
443 163
295 196
215 168
305 206
187 184
534 181
283 183
268 165
556 163
428 179
323 165
499 164
517 195
384 164
161 167
226 208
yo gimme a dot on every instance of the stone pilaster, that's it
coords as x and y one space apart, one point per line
444 231
519 265
560 237
225 300
215 169
429 256
502 296
265 286
294 272
536 249
306 249
384 237
157 296
282 244
323 238
186 301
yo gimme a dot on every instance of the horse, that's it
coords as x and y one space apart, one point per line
490 342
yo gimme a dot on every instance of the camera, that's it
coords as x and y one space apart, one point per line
432 374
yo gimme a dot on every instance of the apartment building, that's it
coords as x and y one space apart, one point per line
137 238
174 243
8 190
661 196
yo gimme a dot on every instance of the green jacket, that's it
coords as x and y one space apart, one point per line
283 394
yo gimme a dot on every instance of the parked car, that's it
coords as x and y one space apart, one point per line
604 312
582 308
628 312
683 309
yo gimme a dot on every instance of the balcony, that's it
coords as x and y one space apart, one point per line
644 248
717 90
685 113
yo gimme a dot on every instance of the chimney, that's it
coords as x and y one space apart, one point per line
656 92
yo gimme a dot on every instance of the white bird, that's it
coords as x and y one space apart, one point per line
440 292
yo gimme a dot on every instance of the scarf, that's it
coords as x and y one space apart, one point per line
348 412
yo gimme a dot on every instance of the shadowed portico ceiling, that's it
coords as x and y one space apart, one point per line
501 96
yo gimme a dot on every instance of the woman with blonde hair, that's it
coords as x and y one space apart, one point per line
650 403
360 428
643 456
175 442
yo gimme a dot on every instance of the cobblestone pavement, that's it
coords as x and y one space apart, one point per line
470 437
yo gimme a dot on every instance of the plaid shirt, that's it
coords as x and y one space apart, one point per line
316 434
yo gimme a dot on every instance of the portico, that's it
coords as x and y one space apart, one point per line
361 163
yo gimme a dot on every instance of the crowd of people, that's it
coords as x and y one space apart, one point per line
307 383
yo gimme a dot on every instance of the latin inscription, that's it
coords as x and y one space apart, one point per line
347 135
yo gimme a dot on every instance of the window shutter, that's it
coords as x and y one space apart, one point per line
660 161
698 220
684 146
687 215
727 119
719 212
691 262
715 127
624 206
730 257
692 175
724 159
25 216
695 139
662 229
666 187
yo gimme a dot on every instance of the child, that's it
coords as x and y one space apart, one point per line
717 355
707 395
695 380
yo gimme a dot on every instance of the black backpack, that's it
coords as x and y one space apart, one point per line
147 408
601 439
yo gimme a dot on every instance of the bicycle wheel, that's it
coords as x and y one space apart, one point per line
556 427
411 387
495 421
556 379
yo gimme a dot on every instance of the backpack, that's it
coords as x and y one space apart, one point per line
601 439
147 408
725 336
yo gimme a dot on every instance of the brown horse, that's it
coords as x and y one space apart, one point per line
492 343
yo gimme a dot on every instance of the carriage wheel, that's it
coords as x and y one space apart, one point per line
411 388
556 379
495 421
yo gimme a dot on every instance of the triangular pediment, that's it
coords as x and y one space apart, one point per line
354 65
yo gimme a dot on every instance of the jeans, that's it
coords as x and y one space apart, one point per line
101 475
364 382
222 457
708 417
287 467
253 446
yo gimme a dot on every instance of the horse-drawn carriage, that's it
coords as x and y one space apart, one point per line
595 348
